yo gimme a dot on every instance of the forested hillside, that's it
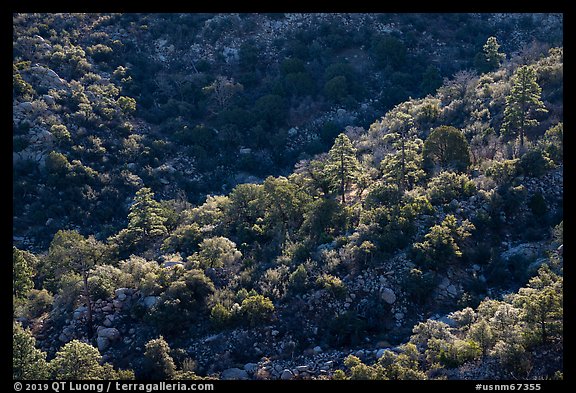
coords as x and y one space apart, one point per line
287 196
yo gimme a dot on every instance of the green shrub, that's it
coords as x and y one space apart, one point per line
447 186
256 309
513 357
184 239
446 148
220 316
298 279
127 104
104 280
159 363
552 143
100 52
452 354
69 290
441 245
333 285
538 205
503 172
184 300
418 285
218 252
38 302
383 194
534 164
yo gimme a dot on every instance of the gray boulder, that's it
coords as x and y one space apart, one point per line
251 367
234 373
121 293
109 320
525 250
47 78
109 333
79 312
150 301
63 337
388 296
102 343
286 375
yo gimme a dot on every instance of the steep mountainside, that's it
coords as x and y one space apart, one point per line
259 197
191 104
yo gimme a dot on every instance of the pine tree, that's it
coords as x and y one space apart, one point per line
70 251
161 365
403 165
77 360
521 103
145 215
491 54
28 362
447 148
343 167
481 333
541 303
21 274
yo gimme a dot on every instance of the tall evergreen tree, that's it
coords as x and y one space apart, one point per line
542 303
521 103
160 363
145 215
491 54
343 167
402 137
21 274
78 360
70 251
28 362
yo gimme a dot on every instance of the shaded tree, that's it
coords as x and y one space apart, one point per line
336 89
431 79
401 136
447 148
541 303
184 299
522 103
442 243
145 217
22 273
343 167
490 58
160 364
389 51
71 252
28 362
222 90
77 360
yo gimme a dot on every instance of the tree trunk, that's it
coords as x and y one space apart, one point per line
543 325
342 178
523 115
403 162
